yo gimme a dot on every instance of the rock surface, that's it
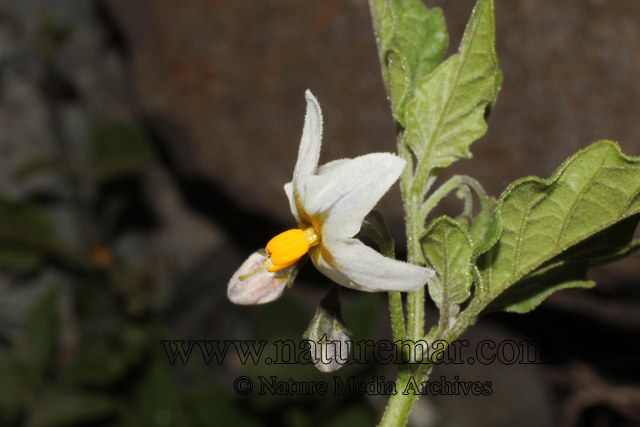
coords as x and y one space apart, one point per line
223 82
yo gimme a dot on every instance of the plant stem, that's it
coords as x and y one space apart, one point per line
453 183
399 408
385 243
411 200
396 414
400 405
397 316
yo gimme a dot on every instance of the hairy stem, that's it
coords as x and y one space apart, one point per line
382 238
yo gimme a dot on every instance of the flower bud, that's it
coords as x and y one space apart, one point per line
259 286
328 335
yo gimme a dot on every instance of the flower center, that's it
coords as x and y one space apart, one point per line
288 247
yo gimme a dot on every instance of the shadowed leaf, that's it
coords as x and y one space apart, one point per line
585 211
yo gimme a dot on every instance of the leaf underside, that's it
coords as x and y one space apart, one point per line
552 230
448 248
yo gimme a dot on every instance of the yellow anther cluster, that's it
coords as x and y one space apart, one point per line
288 247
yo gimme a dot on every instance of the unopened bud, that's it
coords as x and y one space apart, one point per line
259 286
328 334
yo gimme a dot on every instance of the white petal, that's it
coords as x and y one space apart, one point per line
309 151
321 170
288 189
329 167
346 192
357 266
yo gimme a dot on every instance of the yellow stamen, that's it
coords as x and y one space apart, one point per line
288 247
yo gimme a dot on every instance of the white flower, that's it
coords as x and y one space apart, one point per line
329 203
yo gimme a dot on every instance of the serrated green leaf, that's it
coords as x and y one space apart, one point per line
448 250
569 268
411 43
118 149
447 111
593 194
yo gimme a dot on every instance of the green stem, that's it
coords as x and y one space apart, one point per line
383 239
397 316
397 412
411 200
400 405
453 183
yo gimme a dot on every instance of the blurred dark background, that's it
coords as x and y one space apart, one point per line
143 149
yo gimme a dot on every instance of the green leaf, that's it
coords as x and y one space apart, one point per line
411 43
447 112
585 210
531 290
448 249
569 268
118 149
497 85
606 243
481 224
631 249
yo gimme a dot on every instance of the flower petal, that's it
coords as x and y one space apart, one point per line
329 167
347 191
352 264
309 151
322 170
260 288
288 189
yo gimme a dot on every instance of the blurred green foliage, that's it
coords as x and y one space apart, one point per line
88 352
116 374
